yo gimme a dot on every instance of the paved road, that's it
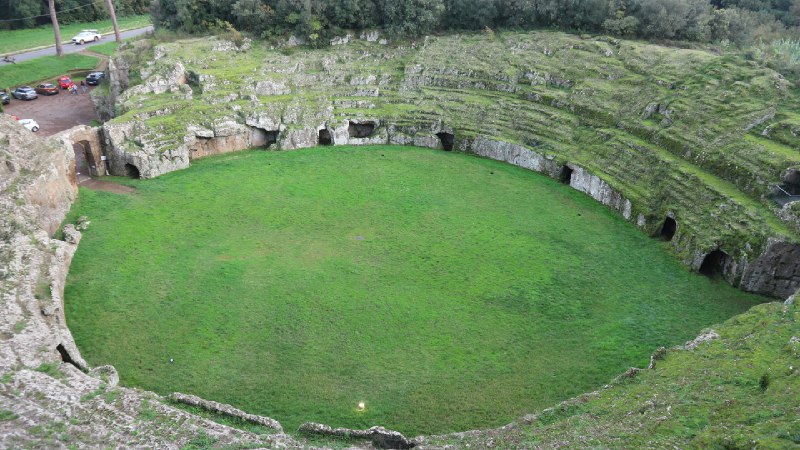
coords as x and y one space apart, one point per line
72 48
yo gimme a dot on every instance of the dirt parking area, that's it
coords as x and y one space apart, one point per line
55 113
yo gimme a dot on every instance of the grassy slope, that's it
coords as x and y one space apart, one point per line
12 75
579 100
479 292
16 40
741 391
107 49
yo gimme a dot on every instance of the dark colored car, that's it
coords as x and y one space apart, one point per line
24 93
47 89
5 97
94 78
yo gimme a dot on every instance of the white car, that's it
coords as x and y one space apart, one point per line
86 36
29 124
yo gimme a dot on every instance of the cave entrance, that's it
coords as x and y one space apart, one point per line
668 229
566 174
361 130
325 137
714 264
262 138
791 182
270 138
447 140
132 171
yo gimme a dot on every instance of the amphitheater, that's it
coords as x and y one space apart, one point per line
687 145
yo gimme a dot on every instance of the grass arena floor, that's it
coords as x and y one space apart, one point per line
446 291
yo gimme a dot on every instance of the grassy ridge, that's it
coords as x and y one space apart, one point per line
12 75
447 292
740 391
16 40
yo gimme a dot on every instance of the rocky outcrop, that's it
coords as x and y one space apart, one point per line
49 397
776 272
226 410
379 436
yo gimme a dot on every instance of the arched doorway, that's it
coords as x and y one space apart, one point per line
447 140
132 171
714 264
85 163
668 229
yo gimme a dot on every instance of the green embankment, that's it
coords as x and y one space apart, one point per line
47 67
17 40
448 292
740 391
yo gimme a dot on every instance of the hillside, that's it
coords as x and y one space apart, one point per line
653 132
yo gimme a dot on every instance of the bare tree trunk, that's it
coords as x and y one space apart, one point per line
56 30
114 20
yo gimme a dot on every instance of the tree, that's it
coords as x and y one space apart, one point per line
469 14
113 15
56 31
411 17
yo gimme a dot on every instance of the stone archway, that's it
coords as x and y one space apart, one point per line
325 137
668 229
132 171
714 264
566 174
447 140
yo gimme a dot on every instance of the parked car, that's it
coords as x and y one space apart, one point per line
29 124
5 97
47 89
86 36
94 78
65 82
24 93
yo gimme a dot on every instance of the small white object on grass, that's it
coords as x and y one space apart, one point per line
361 406
171 360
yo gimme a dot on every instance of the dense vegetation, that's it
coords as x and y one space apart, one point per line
737 21
30 13
448 292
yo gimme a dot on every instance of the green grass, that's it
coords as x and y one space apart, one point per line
27 72
446 291
17 40
107 49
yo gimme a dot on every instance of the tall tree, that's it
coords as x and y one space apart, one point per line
56 30
113 20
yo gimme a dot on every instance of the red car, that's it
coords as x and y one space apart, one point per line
65 82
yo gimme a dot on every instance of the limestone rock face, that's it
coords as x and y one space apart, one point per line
595 187
517 155
776 272
47 389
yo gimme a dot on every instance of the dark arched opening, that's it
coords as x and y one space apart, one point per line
361 130
668 229
566 175
325 137
132 171
714 264
447 140
792 182
82 170
90 159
